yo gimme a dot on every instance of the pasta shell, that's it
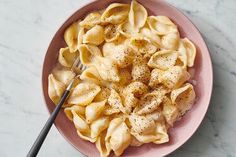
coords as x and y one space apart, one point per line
107 69
174 77
182 54
120 139
64 76
66 58
70 36
170 41
136 88
55 89
142 45
115 13
94 110
115 101
86 136
141 124
161 25
79 122
163 59
190 51
88 54
94 36
112 127
102 146
170 111
111 33
98 126
154 38
161 134
126 29
83 94
77 109
130 101
91 20
91 74
137 15
150 102
154 79
183 97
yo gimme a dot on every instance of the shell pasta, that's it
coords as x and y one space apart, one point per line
136 82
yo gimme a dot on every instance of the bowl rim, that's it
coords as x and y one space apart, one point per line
210 76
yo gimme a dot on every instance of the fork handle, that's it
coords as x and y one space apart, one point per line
41 137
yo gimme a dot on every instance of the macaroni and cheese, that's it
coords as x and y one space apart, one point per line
135 85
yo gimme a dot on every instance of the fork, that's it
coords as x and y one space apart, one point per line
77 68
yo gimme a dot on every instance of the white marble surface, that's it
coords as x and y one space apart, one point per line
26 28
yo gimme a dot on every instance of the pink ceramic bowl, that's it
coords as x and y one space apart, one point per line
183 129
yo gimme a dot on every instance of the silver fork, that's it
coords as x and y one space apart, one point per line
77 68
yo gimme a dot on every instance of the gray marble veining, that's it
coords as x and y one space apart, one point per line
26 28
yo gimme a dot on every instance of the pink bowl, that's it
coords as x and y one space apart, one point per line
183 129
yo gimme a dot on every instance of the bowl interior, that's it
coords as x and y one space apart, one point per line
183 129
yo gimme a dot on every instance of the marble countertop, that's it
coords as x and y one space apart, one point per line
26 28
